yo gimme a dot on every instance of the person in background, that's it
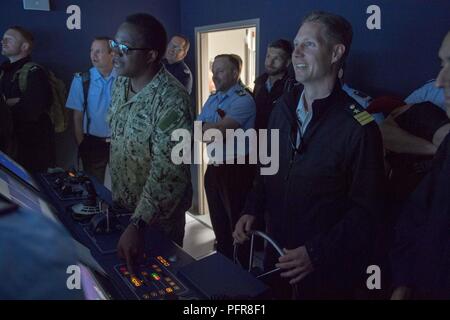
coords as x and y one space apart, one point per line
90 98
177 49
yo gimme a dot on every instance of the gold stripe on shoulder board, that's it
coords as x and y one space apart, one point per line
363 117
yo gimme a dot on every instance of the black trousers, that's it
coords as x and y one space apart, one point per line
35 144
226 188
94 153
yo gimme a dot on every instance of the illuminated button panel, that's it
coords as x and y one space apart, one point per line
67 185
152 281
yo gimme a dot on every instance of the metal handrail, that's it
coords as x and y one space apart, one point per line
272 242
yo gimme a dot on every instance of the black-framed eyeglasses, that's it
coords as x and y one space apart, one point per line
123 48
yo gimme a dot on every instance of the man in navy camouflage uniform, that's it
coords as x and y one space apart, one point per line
148 104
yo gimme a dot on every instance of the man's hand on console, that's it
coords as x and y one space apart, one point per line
131 246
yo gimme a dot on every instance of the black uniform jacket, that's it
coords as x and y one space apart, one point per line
37 97
328 194
265 100
421 257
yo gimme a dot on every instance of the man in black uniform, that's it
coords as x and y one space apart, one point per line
412 134
177 50
269 86
33 129
324 203
421 257
5 127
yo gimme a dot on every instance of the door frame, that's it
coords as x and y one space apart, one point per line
242 24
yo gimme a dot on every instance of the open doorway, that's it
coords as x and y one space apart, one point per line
241 38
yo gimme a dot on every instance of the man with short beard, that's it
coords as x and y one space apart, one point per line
269 86
33 129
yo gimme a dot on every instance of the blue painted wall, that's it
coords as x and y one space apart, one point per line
396 59
66 52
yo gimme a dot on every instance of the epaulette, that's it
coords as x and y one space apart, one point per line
34 68
360 94
241 92
360 115
429 81
84 76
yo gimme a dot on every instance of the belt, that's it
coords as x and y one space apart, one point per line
246 161
102 139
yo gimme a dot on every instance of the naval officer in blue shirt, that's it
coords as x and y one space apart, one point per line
92 132
420 260
227 185
428 92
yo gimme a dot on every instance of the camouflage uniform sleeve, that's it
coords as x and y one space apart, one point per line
115 91
167 184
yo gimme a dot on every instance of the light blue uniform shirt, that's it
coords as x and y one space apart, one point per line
236 103
303 116
363 100
99 100
428 92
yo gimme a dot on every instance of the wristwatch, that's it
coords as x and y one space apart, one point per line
138 223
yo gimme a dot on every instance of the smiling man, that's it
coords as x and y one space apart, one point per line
323 204
148 104
177 49
227 184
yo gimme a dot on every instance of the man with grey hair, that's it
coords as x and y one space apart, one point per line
323 205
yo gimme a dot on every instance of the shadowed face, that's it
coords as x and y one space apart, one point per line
13 44
276 61
443 79
225 74
176 50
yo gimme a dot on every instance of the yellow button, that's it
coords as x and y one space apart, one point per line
136 282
